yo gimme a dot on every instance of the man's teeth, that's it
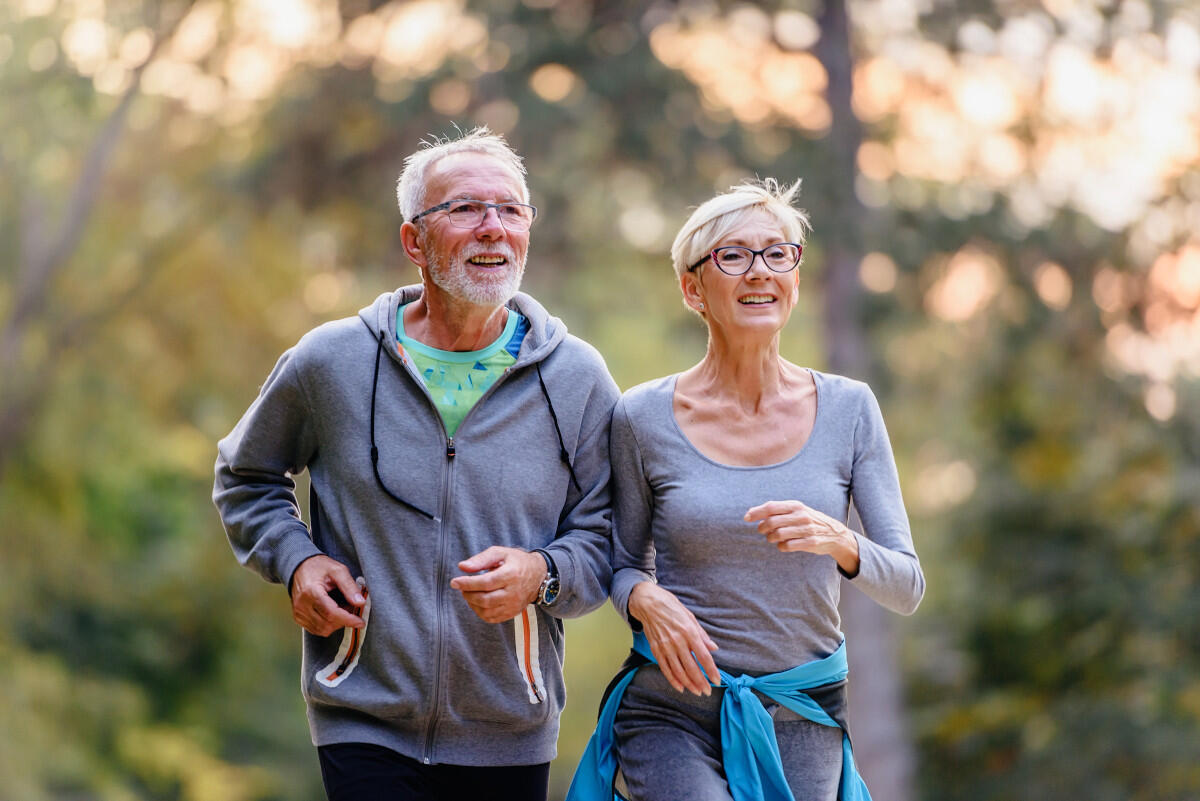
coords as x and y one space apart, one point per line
488 260
756 299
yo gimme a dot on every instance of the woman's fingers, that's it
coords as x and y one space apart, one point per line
676 638
671 670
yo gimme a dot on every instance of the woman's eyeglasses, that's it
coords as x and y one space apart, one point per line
781 257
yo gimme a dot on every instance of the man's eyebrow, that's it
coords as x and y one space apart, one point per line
499 202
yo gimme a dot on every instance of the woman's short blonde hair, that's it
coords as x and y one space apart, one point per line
724 214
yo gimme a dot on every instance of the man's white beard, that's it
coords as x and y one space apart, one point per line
458 280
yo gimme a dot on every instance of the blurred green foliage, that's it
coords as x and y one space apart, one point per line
1058 650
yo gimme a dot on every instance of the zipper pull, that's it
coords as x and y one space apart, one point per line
450 447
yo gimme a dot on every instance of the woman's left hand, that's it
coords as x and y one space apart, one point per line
794 526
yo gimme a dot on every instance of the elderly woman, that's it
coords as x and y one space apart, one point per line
731 486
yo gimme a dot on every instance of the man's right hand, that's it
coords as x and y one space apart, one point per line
312 605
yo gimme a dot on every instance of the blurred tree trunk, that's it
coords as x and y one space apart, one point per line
882 745
43 256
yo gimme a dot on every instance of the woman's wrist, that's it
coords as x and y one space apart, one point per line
847 555
637 596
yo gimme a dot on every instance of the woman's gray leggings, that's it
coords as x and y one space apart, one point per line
669 745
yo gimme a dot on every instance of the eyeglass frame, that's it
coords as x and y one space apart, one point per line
754 255
446 205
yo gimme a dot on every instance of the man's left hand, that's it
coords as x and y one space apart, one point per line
509 584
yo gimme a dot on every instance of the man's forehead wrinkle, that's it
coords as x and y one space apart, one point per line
471 175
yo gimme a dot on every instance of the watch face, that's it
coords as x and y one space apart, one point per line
550 591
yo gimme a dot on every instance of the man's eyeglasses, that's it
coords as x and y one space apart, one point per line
781 257
467 213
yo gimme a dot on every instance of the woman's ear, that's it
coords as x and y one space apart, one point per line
693 292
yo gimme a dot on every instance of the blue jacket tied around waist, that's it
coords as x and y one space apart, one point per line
750 752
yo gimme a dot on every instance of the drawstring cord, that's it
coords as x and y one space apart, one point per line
375 450
562 448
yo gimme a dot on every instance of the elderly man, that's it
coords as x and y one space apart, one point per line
456 438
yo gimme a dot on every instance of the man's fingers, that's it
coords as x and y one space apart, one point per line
487 559
328 611
492 605
484 582
349 587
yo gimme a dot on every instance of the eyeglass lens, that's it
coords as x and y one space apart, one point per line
735 259
470 213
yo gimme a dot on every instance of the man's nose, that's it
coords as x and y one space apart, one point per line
491 225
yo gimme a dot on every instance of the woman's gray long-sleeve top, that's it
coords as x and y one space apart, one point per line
678 518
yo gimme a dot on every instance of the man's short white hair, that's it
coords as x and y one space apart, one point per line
727 212
410 189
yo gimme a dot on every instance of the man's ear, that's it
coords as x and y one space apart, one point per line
413 241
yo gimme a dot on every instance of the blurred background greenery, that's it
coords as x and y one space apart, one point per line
1006 199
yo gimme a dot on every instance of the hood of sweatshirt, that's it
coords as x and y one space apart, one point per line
545 333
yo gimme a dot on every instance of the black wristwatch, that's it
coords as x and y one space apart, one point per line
547 593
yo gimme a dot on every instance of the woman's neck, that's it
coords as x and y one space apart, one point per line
746 373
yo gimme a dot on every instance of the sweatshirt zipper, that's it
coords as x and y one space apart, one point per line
447 479
439 590
447 475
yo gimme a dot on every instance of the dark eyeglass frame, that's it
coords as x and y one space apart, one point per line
754 254
446 206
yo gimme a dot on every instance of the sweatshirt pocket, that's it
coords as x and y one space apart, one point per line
508 673
350 649
525 638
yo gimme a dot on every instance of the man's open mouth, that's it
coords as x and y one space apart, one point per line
488 261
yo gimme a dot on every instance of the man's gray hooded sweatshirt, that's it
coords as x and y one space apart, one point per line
426 677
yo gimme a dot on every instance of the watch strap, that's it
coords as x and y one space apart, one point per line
551 567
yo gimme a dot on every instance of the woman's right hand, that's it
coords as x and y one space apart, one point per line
676 639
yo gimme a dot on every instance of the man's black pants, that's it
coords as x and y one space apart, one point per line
366 772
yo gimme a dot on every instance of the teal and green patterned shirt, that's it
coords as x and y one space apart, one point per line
457 379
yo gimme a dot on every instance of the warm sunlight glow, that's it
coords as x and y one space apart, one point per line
450 97
85 43
965 286
553 82
198 33
941 486
1165 341
738 66
877 272
1052 122
1160 401
1053 285
252 71
642 226
290 24
419 36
